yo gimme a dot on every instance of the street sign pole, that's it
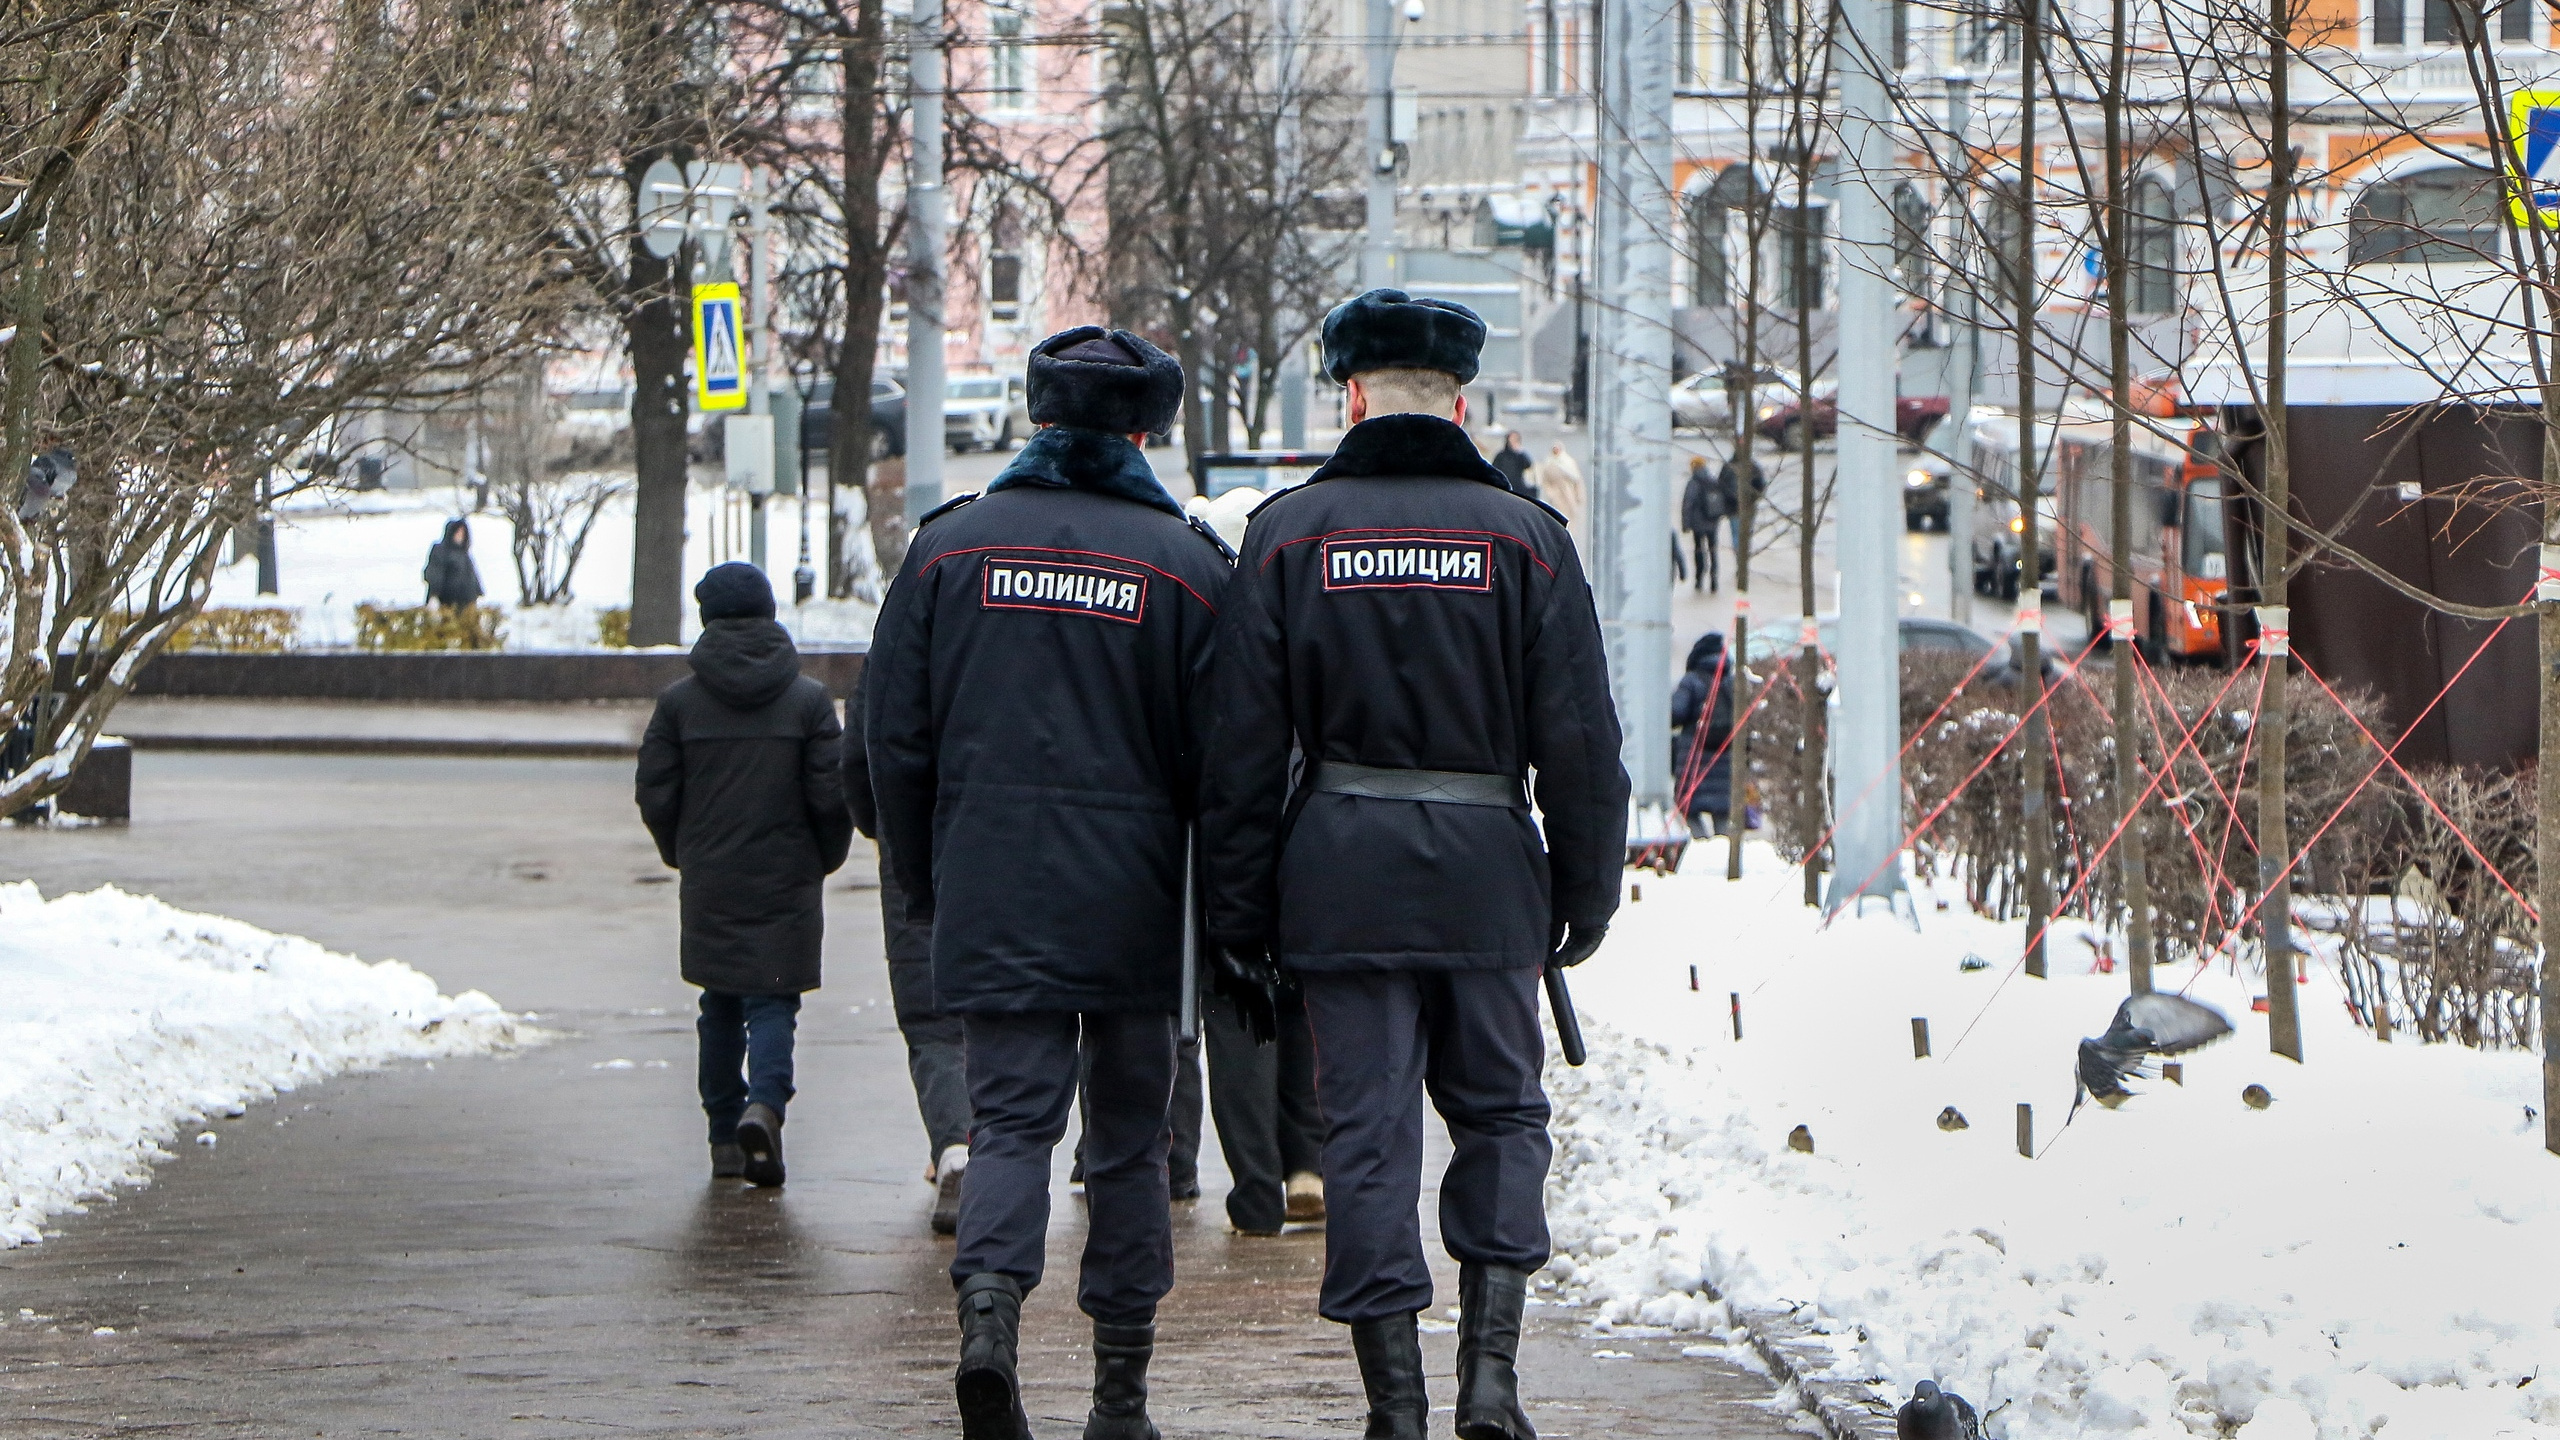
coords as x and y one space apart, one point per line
760 376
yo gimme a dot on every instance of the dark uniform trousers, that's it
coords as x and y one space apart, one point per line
1022 1088
1262 1098
935 1047
1469 1038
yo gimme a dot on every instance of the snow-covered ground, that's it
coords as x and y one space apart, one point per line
336 550
128 1021
2377 1253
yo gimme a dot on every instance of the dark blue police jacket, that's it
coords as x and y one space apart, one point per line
1033 729
1406 609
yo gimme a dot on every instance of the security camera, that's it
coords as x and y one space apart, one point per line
1413 11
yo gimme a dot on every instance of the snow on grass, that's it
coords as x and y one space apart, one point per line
2378 1253
127 1019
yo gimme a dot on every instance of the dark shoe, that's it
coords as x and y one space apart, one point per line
988 1387
1390 1353
946 1189
1489 1301
760 1135
728 1162
1305 1192
1120 1356
1185 1189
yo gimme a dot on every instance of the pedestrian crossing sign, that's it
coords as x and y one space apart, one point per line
2535 128
719 348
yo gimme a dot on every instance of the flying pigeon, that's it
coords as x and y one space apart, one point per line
1935 1414
49 478
2145 1025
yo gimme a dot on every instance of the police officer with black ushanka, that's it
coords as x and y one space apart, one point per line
1422 638
1031 715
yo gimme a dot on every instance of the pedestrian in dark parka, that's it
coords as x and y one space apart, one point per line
453 581
1709 674
738 785
1703 507
1033 714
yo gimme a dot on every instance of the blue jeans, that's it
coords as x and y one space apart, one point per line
746 1056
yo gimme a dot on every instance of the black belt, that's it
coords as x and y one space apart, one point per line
1446 787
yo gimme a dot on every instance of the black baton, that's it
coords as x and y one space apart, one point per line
1568 1029
1188 1026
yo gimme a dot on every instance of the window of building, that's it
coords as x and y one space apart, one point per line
2004 229
2390 24
1004 288
2515 21
1899 56
1008 58
1710 268
1684 55
1800 235
1910 239
2510 21
2151 244
1729 42
1550 51
2444 216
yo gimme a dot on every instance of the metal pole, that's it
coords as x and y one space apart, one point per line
1961 279
1293 366
1865 503
1630 519
1378 247
925 245
760 317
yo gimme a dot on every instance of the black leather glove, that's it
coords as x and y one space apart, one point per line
1574 943
1247 978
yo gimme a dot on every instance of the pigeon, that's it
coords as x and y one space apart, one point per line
1800 1140
2145 1025
49 478
1951 1120
2256 1097
1935 1414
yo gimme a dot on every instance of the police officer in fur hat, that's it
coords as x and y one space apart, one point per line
1031 718
1424 637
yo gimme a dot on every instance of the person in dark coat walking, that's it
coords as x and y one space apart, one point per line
1425 639
739 787
452 580
1515 464
1729 492
936 1048
1702 511
1703 769
1033 714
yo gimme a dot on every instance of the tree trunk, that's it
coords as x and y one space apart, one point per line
2031 804
2128 697
657 333
2546 887
866 276
2275 841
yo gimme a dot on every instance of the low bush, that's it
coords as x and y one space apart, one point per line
428 627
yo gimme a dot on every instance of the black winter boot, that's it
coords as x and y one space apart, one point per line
988 1386
1120 1355
1489 1301
760 1136
1390 1353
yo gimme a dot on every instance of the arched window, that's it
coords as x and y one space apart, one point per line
1710 269
1008 57
1910 238
2004 224
2444 216
2151 245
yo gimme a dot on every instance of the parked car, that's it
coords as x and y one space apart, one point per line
1266 470
888 418
985 412
1920 633
1913 416
1702 401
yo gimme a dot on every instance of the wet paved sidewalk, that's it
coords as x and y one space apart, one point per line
529 1246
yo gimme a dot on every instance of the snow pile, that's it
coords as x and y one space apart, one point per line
126 1019
2377 1253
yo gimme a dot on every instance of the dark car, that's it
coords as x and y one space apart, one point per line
1914 416
888 418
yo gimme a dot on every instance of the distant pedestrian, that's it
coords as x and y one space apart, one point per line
1701 724
452 580
1702 513
1516 464
1270 1128
1560 484
937 1053
1034 714
738 785
1729 491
